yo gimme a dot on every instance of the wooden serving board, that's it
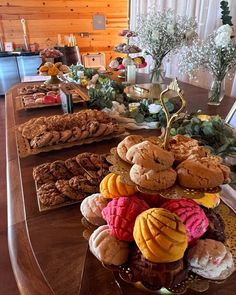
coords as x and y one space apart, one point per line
20 103
25 150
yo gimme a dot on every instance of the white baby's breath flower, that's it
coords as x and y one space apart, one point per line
155 35
170 29
223 36
222 40
225 29
162 32
154 108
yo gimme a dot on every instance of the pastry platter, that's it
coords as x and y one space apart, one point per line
25 150
55 181
47 100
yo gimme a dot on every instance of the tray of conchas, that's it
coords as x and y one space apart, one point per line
157 219
46 95
44 134
61 183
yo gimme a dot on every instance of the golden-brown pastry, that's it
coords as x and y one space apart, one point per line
65 136
76 134
126 144
151 179
182 147
55 138
206 172
30 131
149 155
41 140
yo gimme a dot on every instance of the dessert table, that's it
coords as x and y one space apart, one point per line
47 249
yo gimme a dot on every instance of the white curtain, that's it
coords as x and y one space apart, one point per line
208 16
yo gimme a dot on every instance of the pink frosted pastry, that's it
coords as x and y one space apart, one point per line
120 215
211 259
91 208
107 248
192 216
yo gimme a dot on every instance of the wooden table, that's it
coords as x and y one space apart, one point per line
48 249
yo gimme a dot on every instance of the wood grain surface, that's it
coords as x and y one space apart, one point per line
7 279
46 19
47 248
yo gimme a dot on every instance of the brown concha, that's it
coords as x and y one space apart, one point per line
155 275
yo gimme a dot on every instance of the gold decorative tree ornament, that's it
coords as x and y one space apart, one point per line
174 86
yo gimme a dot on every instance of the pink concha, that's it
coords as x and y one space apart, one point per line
191 214
120 215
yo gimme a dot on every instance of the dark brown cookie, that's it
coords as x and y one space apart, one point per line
82 184
84 161
59 170
72 193
49 195
74 167
42 174
99 161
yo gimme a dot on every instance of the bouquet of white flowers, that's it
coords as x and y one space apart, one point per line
161 32
216 54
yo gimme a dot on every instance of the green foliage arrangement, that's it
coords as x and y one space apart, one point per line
213 133
88 72
105 92
225 13
142 113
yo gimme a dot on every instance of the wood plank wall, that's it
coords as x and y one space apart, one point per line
46 19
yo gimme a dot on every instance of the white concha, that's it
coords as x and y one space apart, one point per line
107 248
91 208
211 259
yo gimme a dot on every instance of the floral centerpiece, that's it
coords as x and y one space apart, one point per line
216 54
161 32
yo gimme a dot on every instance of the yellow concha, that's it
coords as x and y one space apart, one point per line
160 235
112 187
209 200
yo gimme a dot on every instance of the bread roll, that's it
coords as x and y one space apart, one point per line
151 179
127 143
202 173
149 155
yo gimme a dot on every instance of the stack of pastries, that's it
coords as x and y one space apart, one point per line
68 128
151 239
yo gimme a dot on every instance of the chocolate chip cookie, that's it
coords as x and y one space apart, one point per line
59 170
42 174
72 193
74 167
82 184
49 195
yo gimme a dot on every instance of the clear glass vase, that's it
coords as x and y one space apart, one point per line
216 91
157 73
